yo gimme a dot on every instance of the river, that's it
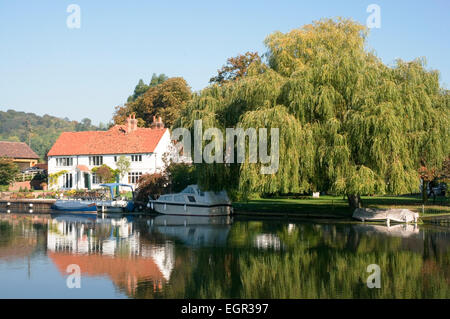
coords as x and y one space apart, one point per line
199 257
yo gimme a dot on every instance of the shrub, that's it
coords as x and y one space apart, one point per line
151 185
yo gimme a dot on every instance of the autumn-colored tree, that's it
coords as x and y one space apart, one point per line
106 173
236 68
348 123
166 99
151 185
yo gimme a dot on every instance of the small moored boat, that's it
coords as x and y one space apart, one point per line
74 206
193 201
388 215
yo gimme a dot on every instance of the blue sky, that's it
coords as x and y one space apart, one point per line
45 67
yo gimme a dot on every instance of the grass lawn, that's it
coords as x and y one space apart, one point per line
336 206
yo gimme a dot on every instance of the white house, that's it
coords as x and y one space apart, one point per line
75 154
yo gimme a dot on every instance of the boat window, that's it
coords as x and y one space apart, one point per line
179 198
166 198
188 190
201 193
191 199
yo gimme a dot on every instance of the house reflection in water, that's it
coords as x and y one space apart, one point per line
109 247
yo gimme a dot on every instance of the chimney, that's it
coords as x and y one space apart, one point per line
160 123
131 123
157 123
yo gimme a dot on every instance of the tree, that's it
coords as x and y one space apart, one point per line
348 123
123 166
106 173
151 185
141 87
158 79
180 176
236 68
8 171
166 99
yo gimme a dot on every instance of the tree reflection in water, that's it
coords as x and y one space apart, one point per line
168 257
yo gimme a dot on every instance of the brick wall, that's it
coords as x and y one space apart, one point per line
17 185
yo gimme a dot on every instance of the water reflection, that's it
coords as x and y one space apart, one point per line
399 230
198 257
193 231
109 247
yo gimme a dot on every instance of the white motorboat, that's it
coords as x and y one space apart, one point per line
193 201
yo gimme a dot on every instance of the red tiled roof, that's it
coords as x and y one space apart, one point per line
16 150
114 141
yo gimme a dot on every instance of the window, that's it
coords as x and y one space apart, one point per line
96 179
166 198
67 180
191 199
115 158
64 161
133 177
95 160
179 198
188 190
136 158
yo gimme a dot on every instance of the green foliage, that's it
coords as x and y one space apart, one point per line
40 132
123 165
8 171
141 87
106 173
180 176
53 178
348 123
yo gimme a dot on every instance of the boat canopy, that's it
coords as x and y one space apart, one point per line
113 185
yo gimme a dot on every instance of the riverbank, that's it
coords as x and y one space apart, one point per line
337 207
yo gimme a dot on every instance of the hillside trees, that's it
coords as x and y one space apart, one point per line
40 132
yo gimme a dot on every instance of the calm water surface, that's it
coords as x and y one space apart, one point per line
179 257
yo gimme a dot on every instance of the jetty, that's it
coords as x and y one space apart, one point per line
30 205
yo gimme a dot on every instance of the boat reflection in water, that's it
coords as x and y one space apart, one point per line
218 257
193 231
109 247
115 247
398 230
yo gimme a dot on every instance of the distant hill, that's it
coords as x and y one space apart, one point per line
40 132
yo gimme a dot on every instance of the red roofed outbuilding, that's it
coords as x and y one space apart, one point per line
20 153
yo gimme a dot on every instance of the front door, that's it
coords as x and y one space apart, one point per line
87 181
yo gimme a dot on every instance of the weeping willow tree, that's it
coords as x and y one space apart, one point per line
348 123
